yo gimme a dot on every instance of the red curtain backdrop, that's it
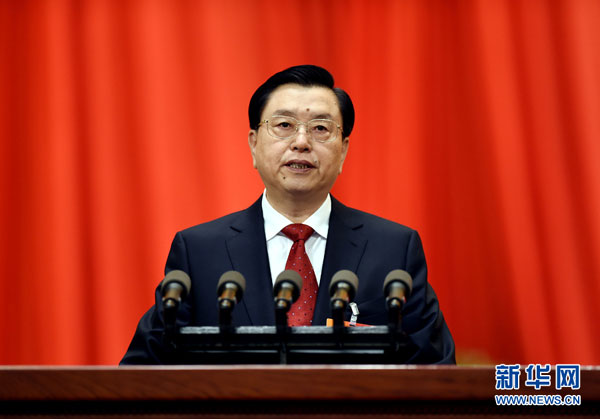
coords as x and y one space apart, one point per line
478 124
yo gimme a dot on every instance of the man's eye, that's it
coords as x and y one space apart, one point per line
284 125
321 128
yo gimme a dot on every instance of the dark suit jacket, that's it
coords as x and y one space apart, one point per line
368 245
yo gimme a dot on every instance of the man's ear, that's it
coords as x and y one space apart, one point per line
345 144
252 138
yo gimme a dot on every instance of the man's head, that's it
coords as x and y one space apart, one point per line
304 75
298 136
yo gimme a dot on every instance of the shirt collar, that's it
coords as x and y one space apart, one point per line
275 222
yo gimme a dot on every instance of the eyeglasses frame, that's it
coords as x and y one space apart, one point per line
333 138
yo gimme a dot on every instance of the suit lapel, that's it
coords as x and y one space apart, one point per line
248 253
344 250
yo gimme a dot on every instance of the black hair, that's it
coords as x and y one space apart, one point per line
305 75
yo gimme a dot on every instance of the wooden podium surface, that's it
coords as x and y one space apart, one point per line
324 391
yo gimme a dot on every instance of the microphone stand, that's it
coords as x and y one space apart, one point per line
282 307
170 307
395 322
225 309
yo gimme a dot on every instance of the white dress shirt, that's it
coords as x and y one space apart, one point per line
279 245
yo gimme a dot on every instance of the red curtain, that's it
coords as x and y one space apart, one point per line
478 124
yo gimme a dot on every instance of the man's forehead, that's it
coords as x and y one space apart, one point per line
295 99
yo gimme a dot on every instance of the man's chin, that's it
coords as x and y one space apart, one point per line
296 189
300 191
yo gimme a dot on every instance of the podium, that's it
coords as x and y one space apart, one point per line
274 391
296 345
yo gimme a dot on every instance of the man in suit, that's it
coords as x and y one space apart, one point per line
300 127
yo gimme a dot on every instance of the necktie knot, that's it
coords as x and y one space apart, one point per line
298 232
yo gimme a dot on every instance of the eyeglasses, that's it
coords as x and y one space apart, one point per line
285 127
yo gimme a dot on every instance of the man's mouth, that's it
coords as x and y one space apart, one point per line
299 165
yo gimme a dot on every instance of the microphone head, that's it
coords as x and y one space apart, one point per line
232 277
180 277
346 276
292 277
398 275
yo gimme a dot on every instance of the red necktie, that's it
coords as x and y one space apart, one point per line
301 313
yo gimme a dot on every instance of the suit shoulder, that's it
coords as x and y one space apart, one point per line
225 223
375 223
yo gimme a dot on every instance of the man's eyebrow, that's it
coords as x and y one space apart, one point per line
322 116
284 112
287 112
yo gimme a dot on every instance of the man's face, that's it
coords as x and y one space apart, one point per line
298 167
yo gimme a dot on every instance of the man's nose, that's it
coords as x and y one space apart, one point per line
302 140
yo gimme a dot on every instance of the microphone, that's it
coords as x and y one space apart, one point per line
286 291
174 288
342 290
397 286
230 290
